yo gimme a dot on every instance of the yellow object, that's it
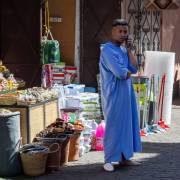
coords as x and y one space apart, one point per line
11 83
141 86
2 68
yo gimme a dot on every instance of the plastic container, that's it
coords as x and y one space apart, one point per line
72 102
90 89
74 89
81 151
100 136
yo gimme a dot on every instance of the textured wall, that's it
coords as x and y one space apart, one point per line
64 32
171 39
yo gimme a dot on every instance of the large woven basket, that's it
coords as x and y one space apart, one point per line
8 100
55 149
54 157
34 164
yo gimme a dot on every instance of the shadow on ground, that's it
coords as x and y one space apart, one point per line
160 161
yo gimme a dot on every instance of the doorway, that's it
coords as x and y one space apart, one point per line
95 28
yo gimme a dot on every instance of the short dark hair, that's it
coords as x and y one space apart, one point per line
119 22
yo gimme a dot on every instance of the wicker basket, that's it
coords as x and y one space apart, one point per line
56 148
54 157
34 164
8 100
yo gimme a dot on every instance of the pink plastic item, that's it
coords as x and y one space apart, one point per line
100 136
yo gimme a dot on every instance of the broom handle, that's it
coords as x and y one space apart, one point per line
149 99
154 101
160 93
164 77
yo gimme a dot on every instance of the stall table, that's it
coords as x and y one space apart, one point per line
34 118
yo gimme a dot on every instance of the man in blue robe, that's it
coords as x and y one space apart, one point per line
122 133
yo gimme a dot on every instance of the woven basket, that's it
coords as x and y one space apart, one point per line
54 156
8 100
34 164
55 151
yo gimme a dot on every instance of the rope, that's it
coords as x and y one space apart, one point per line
46 26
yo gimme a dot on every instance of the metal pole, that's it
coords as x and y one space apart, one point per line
139 33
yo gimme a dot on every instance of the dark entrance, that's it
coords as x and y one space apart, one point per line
96 20
20 38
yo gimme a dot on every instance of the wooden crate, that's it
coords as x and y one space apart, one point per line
51 112
34 118
36 121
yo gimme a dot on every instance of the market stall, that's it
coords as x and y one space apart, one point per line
34 118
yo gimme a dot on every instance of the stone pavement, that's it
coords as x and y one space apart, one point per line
160 160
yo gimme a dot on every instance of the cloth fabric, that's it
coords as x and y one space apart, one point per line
122 133
47 78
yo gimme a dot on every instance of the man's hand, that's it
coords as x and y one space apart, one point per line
129 43
132 58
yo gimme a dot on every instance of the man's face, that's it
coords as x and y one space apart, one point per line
119 33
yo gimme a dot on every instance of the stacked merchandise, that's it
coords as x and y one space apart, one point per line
73 96
50 54
35 95
70 74
100 100
8 86
7 80
58 73
28 96
91 115
87 136
54 71
60 128
69 95
91 107
63 74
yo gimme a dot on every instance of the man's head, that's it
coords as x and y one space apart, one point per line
119 30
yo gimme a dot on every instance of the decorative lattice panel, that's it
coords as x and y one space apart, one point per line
144 26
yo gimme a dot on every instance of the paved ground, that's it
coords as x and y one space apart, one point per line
160 160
